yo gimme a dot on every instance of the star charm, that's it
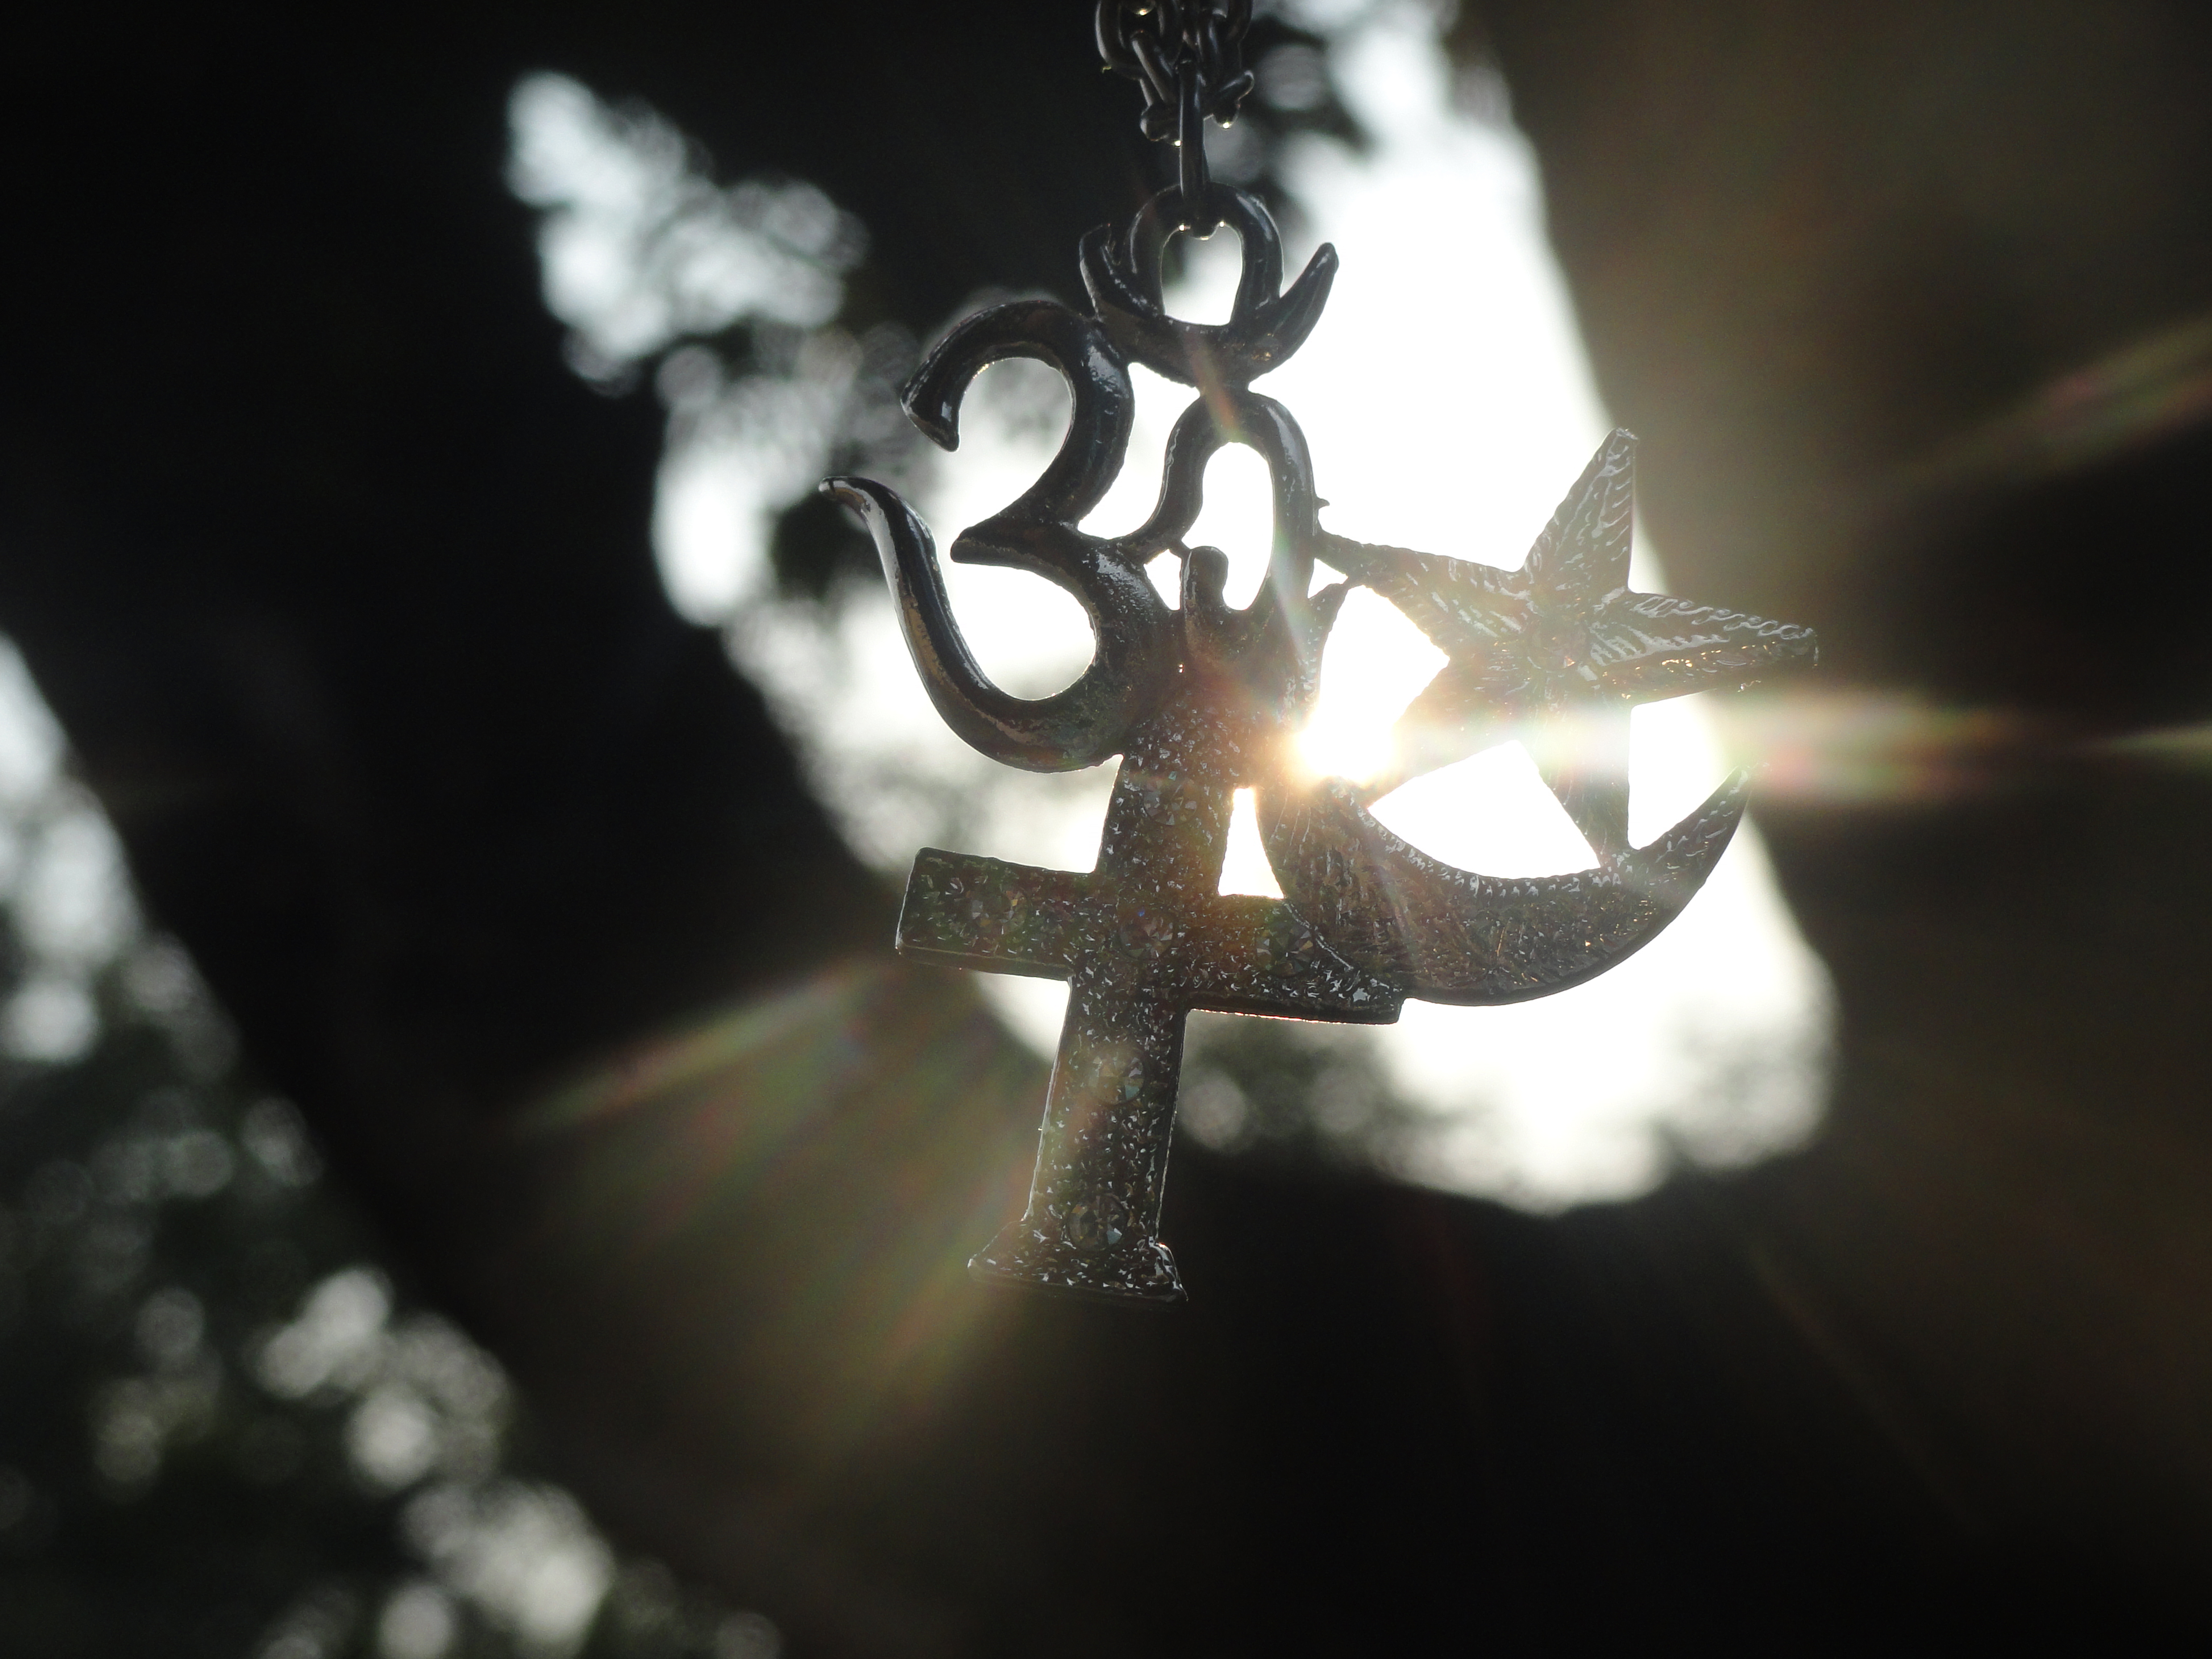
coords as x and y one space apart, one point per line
1554 654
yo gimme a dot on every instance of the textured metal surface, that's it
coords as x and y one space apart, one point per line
1185 56
1206 699
1264 325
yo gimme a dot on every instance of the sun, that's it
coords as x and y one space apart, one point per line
1375 663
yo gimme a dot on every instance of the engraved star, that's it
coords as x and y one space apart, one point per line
1556 654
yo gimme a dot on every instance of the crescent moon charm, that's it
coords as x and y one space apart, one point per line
1562 640
1444 934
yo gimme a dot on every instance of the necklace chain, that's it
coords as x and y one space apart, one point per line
1186 57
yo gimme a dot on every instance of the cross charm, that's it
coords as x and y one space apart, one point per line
1140 940
1202 700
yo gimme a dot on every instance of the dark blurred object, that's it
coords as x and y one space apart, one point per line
817 548
1824 255
221 1433
1909 304
339 581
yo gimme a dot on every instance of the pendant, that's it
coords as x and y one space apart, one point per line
1200 700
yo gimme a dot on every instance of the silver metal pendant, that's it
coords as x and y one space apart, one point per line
1204 700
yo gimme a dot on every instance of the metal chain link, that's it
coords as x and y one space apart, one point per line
1186 57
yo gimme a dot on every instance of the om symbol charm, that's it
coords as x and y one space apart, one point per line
1202 700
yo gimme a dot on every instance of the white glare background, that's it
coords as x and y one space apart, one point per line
1449 407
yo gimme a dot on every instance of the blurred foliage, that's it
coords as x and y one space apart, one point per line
222 1431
